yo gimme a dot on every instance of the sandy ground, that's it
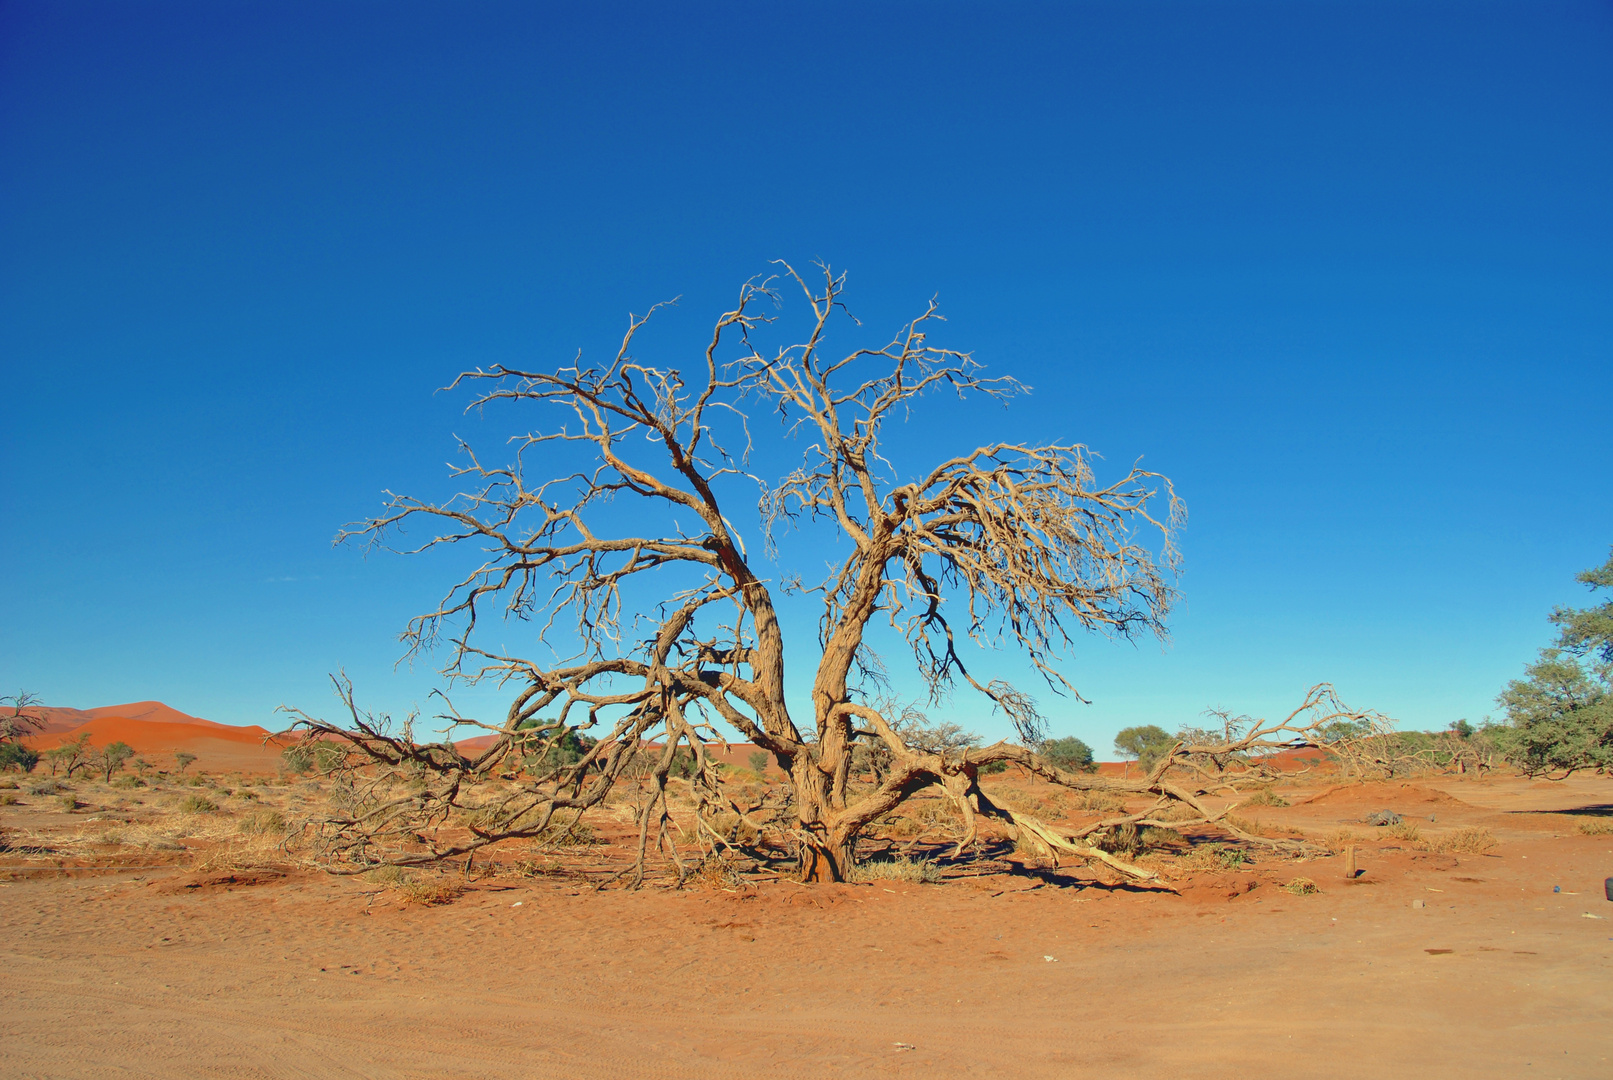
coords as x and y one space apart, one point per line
1020 974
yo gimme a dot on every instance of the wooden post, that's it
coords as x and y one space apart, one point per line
1349 862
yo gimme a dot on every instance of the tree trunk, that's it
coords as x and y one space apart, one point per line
824 862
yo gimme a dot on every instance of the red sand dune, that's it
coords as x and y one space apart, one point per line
155 730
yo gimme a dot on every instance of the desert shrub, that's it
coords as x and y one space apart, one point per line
715 872
8 785
183 760
262 822
14 755
385 875
67 802
1265 797
1405 830
431 891
895 868
1146 743
758 761
1302 886
297 759
1152 836
1102 802
49 787
1254 827
196 804
1120 840
1472 840
128 783
1214 857
1596 828
8 799
559 834
1177 811
1068 753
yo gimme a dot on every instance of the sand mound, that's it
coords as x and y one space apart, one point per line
1381 793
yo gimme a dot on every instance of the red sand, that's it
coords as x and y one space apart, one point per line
218 747
1428 966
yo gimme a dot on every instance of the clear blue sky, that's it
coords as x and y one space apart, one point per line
1343 271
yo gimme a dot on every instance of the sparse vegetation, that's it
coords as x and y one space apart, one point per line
1597 827
1472 840
196 804
262 822
1266 796
1301 886
896 868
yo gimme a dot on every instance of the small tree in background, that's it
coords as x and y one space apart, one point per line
19 716
1069 753
183 759
758 761
112 758
1560 715
1147 743
70 756
14 755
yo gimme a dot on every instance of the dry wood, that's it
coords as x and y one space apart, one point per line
670 630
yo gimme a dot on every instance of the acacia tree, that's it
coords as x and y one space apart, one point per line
1011 545
1560 717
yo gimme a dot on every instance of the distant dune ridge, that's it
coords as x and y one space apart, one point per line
155 729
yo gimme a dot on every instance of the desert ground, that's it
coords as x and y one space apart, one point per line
161 930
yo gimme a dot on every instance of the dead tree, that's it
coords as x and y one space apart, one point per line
635 564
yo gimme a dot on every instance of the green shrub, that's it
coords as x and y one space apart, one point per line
14 755
1069 753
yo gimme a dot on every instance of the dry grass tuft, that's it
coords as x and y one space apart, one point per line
1302 886
262 822
1596 828
1266 797
1472 840
1405 830
885 868
196 804
1213 857
430 891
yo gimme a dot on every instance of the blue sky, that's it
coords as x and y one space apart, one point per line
1344 272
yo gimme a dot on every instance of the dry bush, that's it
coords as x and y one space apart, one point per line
1596 828
68 802
1154 837
1255 827
262 822
1341 837
1121 839
895 868
1471 840
1302 886
1213 857
715 872
430 891
196 804
1102 802
1176 812
8 799
1404 830
1266 797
